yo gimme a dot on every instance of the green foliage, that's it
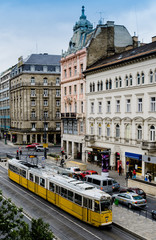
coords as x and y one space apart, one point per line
53 155
12 226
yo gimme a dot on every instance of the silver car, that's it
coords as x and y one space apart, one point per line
130 199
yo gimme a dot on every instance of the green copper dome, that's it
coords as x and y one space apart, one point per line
83 23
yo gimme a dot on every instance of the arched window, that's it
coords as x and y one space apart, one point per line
120 82
110 84
91 89
130 80
139 137
106 84
126 80
117 131
127 131
138 78
151 76
101 85
91 128
142 78
116 82
152 133
108 130
99 129
98 86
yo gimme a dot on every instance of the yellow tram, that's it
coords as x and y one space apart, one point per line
78 198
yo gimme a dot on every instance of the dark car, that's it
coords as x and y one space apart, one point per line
154 214
138 191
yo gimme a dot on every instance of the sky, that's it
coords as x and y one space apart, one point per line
46 26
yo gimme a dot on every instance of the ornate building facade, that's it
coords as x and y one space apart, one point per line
36 100
121 109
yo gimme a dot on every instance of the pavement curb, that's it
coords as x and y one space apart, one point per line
128 231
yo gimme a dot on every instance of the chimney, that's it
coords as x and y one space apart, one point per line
154 39
135 41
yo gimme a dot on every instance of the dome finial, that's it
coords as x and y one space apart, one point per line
83 15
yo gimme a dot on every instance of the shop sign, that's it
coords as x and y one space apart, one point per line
127 162
149 159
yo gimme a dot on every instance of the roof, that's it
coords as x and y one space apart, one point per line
43 59
135 53
98 177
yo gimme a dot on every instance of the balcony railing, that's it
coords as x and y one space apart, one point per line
150 146
68 115
28 130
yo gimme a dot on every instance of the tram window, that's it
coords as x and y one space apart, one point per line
97 207
97 182
51 186
23 173
89 179
57 189
105 205
109 182
78 199
42 182
70 195
31 177
36 179
13 169
105 183
89 203
64 192
85 202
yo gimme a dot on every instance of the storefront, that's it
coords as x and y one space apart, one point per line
150 165
99 155
133 161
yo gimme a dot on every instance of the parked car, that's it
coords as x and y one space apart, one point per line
138 191
116 185
33 145
130 199
40 148
73 169
154 214
82 175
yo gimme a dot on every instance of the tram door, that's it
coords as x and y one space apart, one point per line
86 211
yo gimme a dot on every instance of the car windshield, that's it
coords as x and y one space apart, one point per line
77 169
137 197
140 191
105 205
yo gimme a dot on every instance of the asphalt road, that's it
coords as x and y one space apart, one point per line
63 225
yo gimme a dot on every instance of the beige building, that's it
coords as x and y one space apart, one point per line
35 100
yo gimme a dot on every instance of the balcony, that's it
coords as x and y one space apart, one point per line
150 146
90 138
80 115
68 115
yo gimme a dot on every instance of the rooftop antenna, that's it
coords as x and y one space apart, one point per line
101 19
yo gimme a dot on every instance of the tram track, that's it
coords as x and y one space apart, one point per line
62 224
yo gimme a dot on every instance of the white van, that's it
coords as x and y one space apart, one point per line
101 182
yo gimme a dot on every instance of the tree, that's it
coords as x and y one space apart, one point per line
40 230
12 226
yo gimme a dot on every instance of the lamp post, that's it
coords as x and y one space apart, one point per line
45 138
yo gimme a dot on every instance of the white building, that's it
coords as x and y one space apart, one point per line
121 109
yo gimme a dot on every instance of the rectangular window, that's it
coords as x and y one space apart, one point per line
70 127
70 90
31 177
78 199
45 81
81 106
58 126
117 105
23 173
57 82
92 107
65 73
33 126
42 182
81 67
75 89
45 92
70 73
100 107
70 195
33 114
81 87
45 114
108 107
57 103
33 92
75 70
128 101
45 103
33 103
65 127
81 127
32 81
36 179
51 186
57 93
65 91
139 104
153 104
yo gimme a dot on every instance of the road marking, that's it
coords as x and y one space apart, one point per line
53 210
1 171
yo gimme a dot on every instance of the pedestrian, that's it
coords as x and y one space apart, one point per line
130 174
20 151
134 174
150 178
120 170
17 153
62 163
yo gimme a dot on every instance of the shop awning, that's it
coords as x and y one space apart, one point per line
133 156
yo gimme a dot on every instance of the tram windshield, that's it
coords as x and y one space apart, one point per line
105 205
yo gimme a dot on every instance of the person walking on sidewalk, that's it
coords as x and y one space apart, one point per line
120 170
134 174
